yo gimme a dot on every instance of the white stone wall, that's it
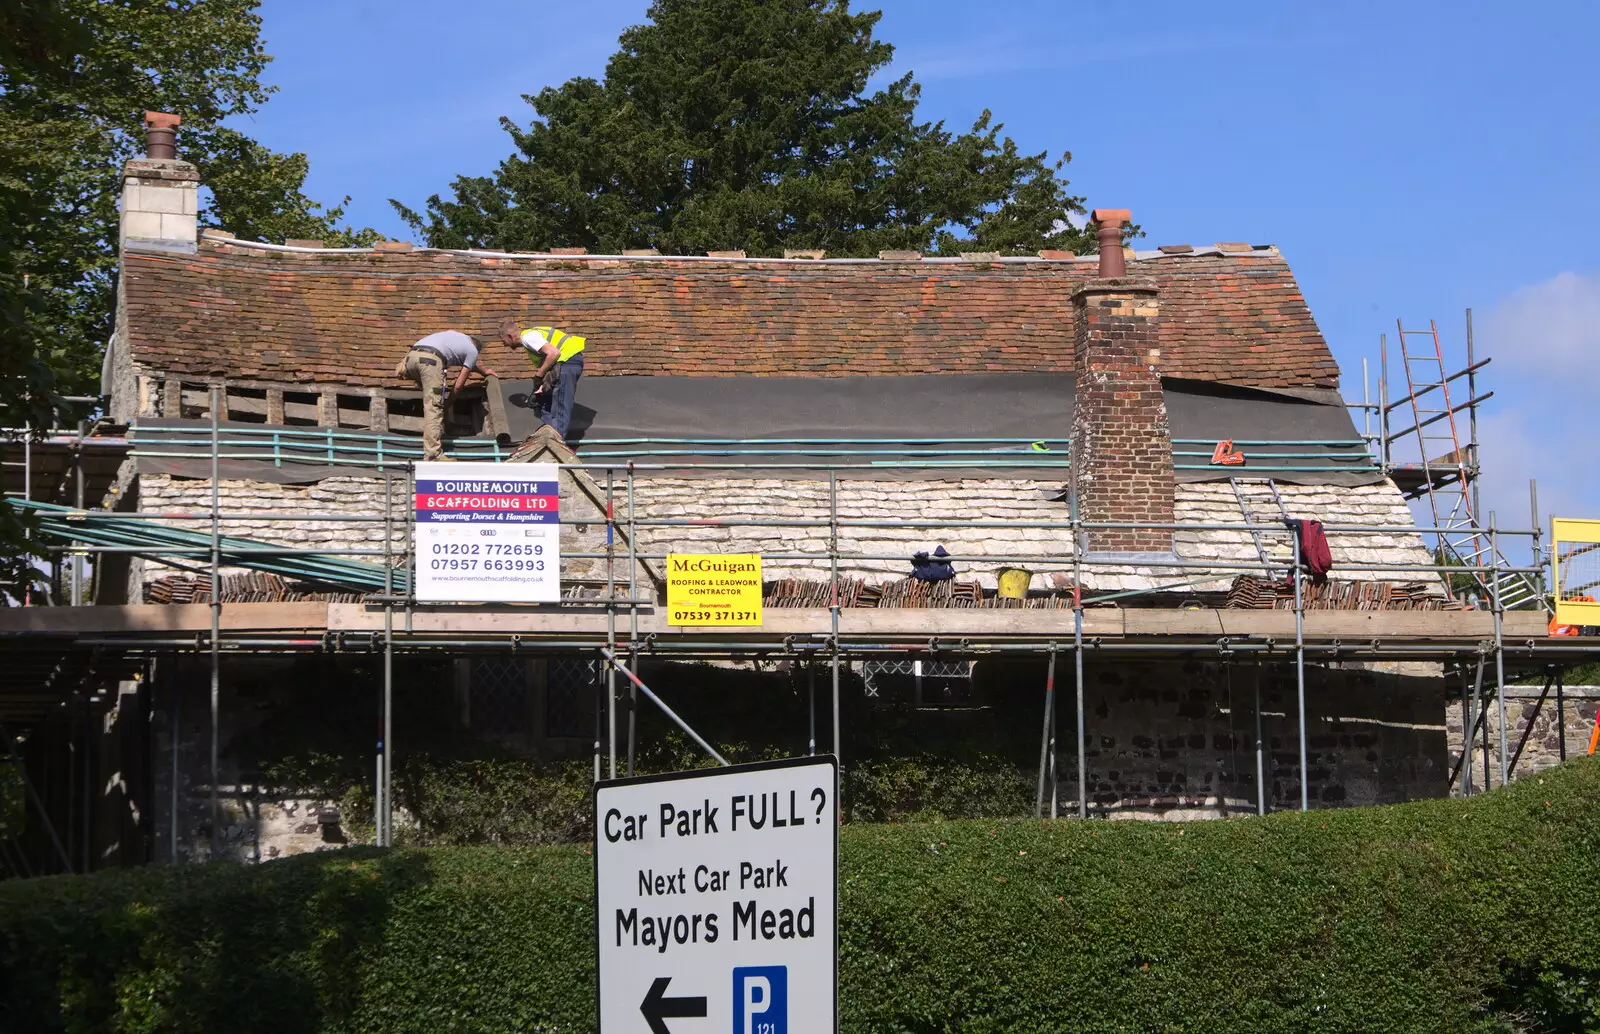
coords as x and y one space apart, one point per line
158 207
927 514
940 508
361 499
346 496
1376 506
933 512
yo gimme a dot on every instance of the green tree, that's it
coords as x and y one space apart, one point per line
75 78
747 124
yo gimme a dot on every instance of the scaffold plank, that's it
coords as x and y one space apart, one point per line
159 617
317 617
1176 622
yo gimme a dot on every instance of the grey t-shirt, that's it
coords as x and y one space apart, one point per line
456 347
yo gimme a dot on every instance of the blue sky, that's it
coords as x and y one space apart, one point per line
1410 159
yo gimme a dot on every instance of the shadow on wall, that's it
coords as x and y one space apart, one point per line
298 740
1165 740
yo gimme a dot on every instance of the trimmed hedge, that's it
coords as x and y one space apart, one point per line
1438 916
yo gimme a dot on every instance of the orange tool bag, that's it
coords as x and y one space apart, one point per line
1225 455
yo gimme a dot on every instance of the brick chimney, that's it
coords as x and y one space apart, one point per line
160 194
1121 445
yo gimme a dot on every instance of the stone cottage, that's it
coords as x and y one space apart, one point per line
882 407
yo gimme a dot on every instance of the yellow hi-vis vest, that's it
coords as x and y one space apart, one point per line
567 345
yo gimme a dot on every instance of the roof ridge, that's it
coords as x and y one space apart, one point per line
223 239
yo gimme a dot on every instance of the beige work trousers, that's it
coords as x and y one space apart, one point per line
428 371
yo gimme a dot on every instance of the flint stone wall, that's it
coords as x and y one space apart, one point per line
1178 740
1542 748
926 514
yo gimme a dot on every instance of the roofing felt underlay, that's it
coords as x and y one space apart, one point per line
954 427
345 318
867 422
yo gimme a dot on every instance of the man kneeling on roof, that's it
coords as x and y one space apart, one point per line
426 364
551 348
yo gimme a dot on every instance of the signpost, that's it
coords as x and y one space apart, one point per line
488 532
714 589
715 900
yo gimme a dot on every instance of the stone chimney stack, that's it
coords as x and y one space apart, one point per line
160 194
1121 444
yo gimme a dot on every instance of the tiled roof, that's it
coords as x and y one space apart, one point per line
337 317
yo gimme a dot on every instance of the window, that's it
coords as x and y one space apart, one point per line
919 683
569 696
498 697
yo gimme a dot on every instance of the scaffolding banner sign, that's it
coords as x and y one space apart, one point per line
488 532
714 589
715 900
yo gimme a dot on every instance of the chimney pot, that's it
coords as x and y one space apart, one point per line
1110 222
161 135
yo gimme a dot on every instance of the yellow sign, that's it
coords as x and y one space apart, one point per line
1577 569
713 589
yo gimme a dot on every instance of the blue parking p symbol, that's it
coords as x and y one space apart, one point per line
761 1000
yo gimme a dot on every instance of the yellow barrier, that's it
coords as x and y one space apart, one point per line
1577 570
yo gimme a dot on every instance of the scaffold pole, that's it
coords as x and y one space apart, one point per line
1079 544
1499 646
669 712
1044 735
216 617
633 621
610 674
833 562
1261 747
1300 674
385 767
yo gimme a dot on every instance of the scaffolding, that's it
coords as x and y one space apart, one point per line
620 626
1435 458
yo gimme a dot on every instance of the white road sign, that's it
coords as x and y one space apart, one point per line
716 895
488 532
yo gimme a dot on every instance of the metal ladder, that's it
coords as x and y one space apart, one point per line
1258 518
1447 471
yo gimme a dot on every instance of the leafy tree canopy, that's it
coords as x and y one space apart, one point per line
75 79
748 124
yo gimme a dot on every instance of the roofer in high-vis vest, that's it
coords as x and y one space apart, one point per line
551 348
426 364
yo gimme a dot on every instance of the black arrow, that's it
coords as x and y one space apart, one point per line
657 1007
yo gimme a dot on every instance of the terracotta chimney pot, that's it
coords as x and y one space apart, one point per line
1110 222
161 134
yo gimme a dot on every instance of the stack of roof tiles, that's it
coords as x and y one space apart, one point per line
905 593
248 587
1253 593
